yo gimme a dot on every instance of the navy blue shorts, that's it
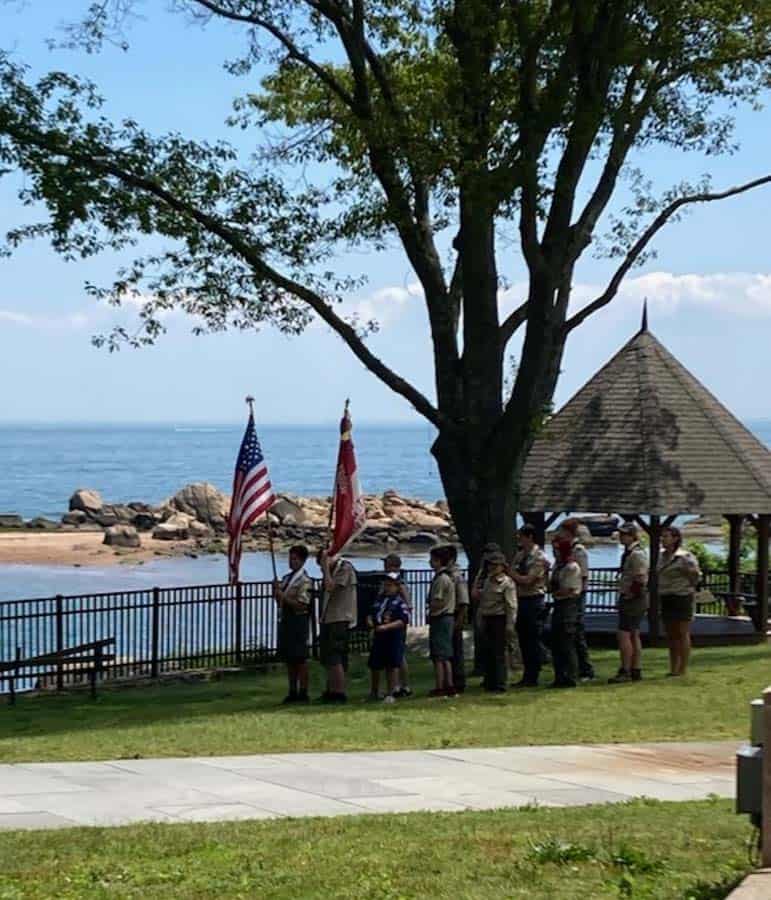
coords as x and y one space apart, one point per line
386 653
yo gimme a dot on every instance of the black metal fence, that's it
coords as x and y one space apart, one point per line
172 629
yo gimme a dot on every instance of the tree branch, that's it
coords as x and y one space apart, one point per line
512 322
106 166
645 238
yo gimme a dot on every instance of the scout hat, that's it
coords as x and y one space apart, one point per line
496 558
629 528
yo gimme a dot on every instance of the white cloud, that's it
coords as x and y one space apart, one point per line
70 321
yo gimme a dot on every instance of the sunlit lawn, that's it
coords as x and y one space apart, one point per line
241 714
641 849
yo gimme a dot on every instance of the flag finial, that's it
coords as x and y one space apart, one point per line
644 326
250 404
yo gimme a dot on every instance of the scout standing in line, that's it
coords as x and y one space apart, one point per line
441 622
338 616
388 619
461 613
566 587
679 576
632 603
293 596
479 634
531 568
393 563
497 603
569 529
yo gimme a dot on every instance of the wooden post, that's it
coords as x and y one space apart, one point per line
763 527
654 535
155 632
765 837
734 552
59 641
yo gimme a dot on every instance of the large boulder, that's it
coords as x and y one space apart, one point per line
76 517
122 536
203 502
42 524
11 520
175 528
288 511
87 500
124 514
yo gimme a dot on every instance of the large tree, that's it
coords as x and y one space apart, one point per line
460 117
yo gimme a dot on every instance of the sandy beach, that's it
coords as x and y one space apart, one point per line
85 548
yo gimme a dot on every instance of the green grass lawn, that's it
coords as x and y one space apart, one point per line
241 714
641 849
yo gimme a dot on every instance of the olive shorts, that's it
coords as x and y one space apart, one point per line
333 643
677 607
440 630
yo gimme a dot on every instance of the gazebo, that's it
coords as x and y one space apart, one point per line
645 437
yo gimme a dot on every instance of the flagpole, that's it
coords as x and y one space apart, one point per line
334 487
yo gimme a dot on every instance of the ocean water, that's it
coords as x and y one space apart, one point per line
41 466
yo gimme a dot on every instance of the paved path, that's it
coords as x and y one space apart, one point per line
50 795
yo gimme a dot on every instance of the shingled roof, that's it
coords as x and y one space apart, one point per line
644 436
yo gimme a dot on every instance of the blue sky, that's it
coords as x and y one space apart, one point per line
709 288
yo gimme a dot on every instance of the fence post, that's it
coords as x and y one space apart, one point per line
238 622
59 641
155 633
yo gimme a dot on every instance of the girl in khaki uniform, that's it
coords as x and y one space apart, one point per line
679 575
497 607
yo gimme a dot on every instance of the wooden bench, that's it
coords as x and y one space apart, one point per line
86 658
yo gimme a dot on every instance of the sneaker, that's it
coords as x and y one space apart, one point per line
290 698
585 679
673 675
620 677
303 697
636 674
518 685
373 697
436 692
562 684
338 698
401 693
389 698
451 692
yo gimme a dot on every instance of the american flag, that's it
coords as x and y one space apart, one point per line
252 494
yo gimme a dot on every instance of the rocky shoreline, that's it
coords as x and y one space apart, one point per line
195 519
193 522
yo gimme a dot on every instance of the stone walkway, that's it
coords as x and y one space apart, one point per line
52 795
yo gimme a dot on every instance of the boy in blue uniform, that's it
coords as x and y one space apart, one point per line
388 618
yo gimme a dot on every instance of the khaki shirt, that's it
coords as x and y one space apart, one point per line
297 597
581 557
567 578
534 564
499 596
679 573
441 595
634 569
340 602
461 587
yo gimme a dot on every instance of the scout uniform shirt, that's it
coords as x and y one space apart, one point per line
441 595
461 587
679 573
567 577
582 558
340 602
388 609
296 587
499 596
532 563
634 570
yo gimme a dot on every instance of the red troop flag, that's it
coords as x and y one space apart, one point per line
350 516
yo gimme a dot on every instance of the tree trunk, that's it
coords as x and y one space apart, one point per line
479 494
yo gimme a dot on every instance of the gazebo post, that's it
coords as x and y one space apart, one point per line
734 552
763 525
654 536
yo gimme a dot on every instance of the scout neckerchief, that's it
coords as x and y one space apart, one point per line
291 578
